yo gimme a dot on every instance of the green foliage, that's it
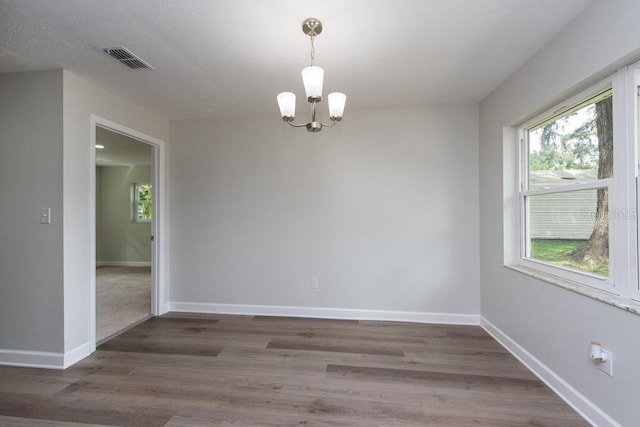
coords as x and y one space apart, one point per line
575 148
583 144
143 202
559 252
144 192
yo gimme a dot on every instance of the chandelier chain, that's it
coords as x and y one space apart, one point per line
313 28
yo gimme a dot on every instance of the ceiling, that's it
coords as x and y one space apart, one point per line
120 150
224 58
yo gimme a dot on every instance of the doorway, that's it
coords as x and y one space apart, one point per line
124 196
127 175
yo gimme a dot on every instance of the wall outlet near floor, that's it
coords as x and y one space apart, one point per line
314 283
606 365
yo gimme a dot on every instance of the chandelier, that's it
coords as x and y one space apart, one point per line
312 77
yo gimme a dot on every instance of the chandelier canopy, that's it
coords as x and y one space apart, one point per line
312 78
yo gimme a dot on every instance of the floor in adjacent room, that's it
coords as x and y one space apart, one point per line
123 298
211 370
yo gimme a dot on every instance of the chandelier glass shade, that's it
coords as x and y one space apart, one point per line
312 78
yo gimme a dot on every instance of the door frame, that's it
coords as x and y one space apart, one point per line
159 282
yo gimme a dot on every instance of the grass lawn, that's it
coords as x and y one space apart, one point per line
558 252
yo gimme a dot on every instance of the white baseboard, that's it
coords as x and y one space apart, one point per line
32 359
77 354
589 411
44 359
164 308
327 313
123 264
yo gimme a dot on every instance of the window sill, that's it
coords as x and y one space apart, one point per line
597 294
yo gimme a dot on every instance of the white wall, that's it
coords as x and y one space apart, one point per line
31 314
81 99
119 238
383 208
552 324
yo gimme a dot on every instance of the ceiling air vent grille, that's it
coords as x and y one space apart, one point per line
124 56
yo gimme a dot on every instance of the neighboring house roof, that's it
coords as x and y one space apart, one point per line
541 179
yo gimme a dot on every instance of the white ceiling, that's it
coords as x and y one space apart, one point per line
221 58
120 150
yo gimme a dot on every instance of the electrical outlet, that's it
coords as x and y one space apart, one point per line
606 365
314 283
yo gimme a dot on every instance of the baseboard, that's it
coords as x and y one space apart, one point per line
327 313
123 264
164 308
589 411
77 354
32 359
44 359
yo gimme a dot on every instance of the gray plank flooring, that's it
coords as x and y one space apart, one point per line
184 370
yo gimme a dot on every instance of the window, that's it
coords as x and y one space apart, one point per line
142 202
575 210
567 166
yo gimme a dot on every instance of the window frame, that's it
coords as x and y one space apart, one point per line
633 165
135 202
623 193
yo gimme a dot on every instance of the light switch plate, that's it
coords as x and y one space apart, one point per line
45 215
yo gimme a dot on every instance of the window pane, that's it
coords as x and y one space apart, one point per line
144 192
142 203
570 229
574 147
144 210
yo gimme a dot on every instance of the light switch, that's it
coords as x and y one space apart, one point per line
45 215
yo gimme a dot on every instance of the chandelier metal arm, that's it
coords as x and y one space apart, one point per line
295 125
313 125
328 125
289 121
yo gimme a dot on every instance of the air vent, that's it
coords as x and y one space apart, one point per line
123 55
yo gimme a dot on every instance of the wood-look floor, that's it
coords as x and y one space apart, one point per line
206 370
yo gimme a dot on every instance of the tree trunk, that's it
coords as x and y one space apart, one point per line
596 250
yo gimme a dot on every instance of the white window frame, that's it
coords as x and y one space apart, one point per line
135 202
633 165
622 282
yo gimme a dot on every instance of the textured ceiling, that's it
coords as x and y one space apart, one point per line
221 58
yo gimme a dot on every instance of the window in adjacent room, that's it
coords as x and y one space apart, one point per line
142 202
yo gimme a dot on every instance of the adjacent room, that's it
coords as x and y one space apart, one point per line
123 232
297 212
